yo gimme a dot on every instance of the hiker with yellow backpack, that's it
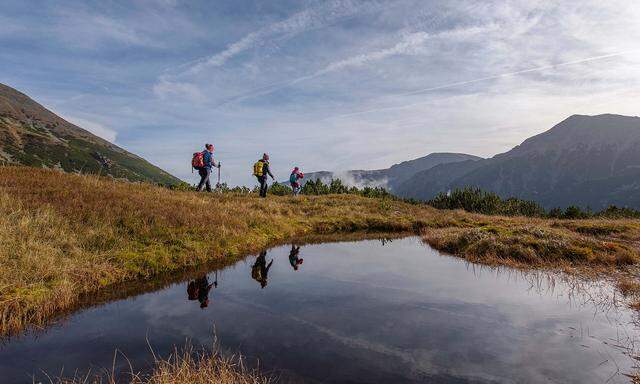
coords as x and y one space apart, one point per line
260 171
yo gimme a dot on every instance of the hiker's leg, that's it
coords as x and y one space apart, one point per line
208 182
203 179
263 186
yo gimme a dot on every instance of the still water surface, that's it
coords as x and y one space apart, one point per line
356 312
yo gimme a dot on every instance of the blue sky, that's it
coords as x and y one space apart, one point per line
325 85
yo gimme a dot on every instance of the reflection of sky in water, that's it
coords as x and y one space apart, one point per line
358 312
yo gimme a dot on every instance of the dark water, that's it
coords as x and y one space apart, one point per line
359 312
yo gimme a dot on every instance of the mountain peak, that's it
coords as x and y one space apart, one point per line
605 117
583 131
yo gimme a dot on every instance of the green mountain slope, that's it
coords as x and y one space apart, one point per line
34 136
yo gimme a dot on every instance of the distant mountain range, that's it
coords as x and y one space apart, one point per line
589 161
34 136
393 177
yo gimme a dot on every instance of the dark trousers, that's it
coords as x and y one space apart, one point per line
263 185
205 174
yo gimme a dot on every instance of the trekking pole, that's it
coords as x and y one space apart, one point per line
218 184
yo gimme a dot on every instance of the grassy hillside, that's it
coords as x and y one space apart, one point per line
34 136
65 236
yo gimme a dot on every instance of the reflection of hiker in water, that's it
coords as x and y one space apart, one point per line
385 240
199 289
260 269
294 260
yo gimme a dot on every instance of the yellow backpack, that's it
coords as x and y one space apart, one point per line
257 168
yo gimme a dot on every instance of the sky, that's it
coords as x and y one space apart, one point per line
324 85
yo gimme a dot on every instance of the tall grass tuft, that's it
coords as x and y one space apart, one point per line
185 366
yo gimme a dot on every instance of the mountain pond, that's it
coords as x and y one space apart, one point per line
372 311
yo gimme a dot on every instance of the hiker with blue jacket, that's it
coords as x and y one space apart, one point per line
204 162
294 180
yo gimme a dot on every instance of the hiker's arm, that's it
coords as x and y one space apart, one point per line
269 172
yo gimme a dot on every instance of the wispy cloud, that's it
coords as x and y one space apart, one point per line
479 80
408 44
521 72
165 88
317 17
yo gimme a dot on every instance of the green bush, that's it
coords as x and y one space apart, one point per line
336 186
613 212
182 186
488 203
314 187
279 189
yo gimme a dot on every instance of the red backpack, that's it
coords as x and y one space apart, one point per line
197 161
192 290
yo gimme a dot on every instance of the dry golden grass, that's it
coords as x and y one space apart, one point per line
184 367
533 242
64 237
187 369
629 287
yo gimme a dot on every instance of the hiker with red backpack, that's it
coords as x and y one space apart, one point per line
294 178
203 162
260 171
198 289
